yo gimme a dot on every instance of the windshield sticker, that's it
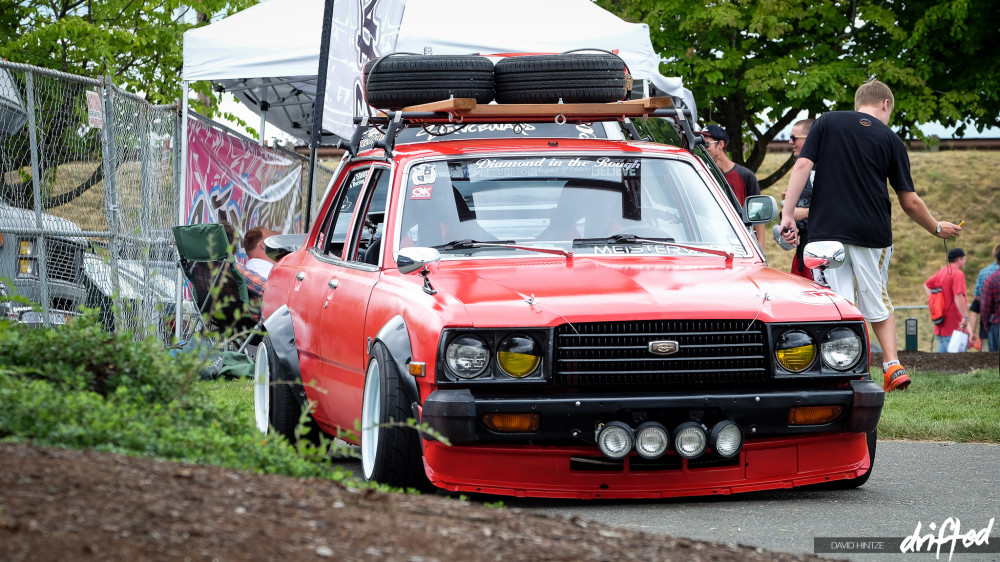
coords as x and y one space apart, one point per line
553 167
424 174
623 249
421 192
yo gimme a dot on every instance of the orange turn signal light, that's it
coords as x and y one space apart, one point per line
813 415
512 423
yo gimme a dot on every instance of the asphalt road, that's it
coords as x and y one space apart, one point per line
913 482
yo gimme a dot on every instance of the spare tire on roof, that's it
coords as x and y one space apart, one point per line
398 80
570 77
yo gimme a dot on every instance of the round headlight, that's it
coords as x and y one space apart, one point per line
726 439
467 356
796 351
651 440
615 440
518 356
690 440
841 349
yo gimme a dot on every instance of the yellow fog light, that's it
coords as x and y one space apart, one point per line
813 415
512 423
796 351
25 266
518 356
24 248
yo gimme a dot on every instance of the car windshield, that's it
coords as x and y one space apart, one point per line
586 204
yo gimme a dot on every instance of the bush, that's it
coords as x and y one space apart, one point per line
79 386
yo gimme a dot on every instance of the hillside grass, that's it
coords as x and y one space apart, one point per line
955 186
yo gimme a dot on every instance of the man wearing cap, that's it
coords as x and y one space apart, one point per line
951 280
854 154
742 180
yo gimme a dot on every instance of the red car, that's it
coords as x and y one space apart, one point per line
572 316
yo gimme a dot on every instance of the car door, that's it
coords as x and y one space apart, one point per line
350 286
312 291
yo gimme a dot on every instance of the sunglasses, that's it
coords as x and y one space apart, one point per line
712 143
793 138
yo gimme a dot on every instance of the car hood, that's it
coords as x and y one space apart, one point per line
582 289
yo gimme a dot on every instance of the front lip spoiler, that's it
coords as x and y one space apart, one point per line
455 414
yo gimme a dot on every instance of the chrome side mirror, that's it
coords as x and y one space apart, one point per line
280 245
415 258
823 255
759 209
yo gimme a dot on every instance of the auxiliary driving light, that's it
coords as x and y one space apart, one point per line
726 438
615 440
690 440
651 440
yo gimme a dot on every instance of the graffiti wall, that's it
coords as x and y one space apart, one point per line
236 180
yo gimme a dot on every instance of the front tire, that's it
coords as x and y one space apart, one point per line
275 405
390 453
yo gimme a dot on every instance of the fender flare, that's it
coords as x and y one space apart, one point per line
281 332
396 338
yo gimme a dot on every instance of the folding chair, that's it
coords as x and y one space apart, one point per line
220 290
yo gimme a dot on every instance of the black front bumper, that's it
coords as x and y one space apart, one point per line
456 414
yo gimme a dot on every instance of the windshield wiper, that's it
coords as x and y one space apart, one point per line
633 239
466 243
620 239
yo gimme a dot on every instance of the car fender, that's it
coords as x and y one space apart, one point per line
396 338
282 334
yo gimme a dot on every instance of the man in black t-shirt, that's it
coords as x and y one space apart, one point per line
854 153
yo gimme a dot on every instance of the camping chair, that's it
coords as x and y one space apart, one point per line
220 290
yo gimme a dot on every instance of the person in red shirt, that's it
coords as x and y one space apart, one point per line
951 280
742 180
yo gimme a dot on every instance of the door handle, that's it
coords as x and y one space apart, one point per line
333 283
300 275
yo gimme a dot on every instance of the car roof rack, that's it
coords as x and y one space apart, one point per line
460 111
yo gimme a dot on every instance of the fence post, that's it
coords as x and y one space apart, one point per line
110 193
145 234
36 190
911 334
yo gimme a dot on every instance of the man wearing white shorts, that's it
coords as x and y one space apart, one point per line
854 154
863 280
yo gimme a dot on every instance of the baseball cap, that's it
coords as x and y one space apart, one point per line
716 132
955 253
776 231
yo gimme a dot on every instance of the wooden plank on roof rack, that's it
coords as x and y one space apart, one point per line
468 108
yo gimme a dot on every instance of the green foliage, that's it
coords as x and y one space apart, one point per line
743 58
139 43
81 387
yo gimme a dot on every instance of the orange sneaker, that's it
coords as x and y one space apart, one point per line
896 379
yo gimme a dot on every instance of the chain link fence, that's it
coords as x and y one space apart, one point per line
89 178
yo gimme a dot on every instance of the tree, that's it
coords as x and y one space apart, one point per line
139 44
749 58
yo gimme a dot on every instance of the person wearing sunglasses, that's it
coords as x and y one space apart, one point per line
798 138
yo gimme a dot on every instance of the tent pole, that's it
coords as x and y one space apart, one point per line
263 113
317 128
182 205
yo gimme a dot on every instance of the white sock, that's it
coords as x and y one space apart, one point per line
885 366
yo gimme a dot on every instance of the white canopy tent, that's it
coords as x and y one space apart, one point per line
268 55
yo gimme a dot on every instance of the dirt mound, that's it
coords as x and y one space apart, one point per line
58 504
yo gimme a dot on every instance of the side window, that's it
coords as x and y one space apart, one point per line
367 239
336 226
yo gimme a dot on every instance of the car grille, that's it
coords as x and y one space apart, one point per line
63 260
617 353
